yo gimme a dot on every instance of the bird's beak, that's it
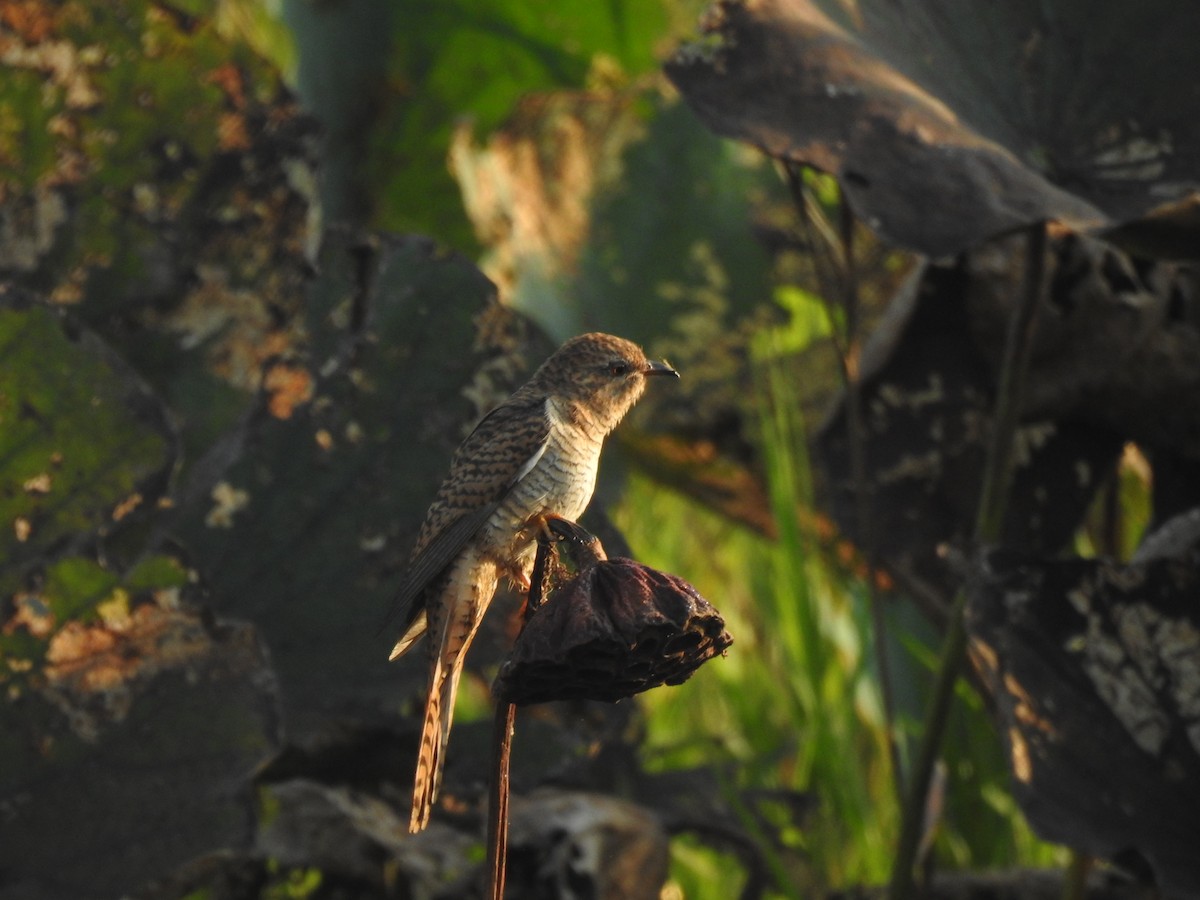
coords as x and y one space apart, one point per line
654 367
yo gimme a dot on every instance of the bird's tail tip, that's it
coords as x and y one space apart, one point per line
429 765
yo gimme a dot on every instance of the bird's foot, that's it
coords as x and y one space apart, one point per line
551 528
559 529
582 546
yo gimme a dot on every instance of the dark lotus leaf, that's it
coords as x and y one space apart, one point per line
416 349
948 122
128 755
162 182
1094 670
85 445
1115 358
1116 344
616 629
1171 231
927 397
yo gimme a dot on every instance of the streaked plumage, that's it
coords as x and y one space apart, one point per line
535 454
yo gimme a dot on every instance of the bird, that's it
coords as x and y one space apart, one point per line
535 455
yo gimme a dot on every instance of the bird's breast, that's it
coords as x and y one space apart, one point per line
560 483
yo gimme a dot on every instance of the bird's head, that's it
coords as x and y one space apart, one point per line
600 375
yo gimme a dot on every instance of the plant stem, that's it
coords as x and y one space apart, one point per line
997 476
1075 878
497 836
1018 345
504 724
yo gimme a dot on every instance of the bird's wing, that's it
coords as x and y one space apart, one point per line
503 449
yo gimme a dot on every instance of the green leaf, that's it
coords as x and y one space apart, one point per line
75 586
155 573
469 62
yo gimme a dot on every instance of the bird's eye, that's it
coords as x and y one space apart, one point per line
617 368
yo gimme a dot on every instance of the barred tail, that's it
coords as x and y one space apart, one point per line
435 734
453 620
429 759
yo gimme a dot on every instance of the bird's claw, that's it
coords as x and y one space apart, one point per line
556 528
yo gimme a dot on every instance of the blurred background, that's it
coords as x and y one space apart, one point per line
266 263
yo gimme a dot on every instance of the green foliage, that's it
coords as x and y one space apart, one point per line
75 586
807 323
792 705
471 60
26 144
292 883
259 24
699 871
474 59
802 711
822 634
155 573
796 703
670 238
